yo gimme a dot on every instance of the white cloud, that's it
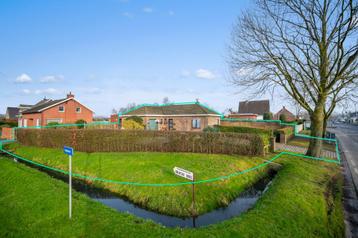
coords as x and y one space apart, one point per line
148 10
23 78
205 74
51 78
127 14
171 13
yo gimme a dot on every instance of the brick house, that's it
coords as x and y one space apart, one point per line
258 107
12 113
289 115
243 116
66 110
174 116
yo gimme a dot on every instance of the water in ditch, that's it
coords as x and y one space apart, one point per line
242 203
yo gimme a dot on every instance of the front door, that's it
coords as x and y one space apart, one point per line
152 125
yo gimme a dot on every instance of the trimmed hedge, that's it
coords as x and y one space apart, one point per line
265 134
107 140
288 131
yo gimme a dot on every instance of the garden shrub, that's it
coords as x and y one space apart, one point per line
81 123
53 124
8 123
265 134
268 116
283 118
288 131
137 119
132 125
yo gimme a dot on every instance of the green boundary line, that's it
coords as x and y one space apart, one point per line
182 183
169 184
169 104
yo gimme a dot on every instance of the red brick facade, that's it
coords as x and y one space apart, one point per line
72 111
250 116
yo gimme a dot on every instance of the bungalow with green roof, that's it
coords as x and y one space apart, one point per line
174 116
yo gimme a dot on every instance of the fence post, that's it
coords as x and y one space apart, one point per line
272 144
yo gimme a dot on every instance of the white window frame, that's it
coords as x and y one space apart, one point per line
38 122
196 123
79 110
58 120
60 107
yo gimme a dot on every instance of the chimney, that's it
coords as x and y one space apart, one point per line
70 95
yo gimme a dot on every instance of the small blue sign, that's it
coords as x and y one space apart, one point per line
68 150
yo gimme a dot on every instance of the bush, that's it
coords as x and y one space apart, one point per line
288 131
53 124
268 116
137 119
108 140
8 123
283 118
132 125
265 134
81 123
211 129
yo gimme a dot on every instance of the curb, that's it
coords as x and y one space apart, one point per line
350 201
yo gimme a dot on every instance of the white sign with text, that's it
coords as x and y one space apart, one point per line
184 173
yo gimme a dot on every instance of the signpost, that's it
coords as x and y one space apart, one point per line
188 175
69 151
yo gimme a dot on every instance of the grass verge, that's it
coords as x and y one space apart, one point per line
303 201
149 167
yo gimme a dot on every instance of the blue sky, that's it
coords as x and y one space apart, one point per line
113 52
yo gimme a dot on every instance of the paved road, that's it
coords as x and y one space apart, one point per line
348 138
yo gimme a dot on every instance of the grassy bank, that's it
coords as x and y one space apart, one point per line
149 167
303 201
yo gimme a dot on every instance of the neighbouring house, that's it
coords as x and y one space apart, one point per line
66 110
289 115
258 107
12 113
174 116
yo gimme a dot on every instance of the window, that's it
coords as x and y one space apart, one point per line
53 120
61 108
195 123
170 124
78 109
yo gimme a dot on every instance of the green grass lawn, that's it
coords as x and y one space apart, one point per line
303 201
157 168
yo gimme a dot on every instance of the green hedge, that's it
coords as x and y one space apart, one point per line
8 123
264 134
107 140
288 131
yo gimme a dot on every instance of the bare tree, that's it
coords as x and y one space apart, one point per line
166 100
307 47
127 108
